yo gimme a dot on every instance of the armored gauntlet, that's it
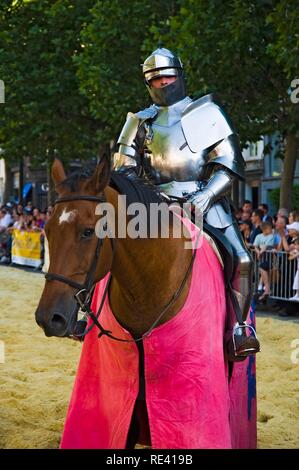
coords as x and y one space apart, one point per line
217 186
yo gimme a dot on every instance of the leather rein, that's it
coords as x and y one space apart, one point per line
84 291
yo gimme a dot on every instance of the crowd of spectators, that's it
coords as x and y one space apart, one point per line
24 218
264 234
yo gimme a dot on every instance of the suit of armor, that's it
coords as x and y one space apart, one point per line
190 149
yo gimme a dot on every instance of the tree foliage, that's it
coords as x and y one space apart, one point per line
231 51
113 50
44 110
72 68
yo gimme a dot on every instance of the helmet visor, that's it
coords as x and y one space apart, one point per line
165 72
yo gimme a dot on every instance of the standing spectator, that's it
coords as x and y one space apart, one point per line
28 207
49 212
20 209
256 218
287 241
281 232
293 231
239 213
43 217
245 229
247 206
295 254
293 216
282 213
265 209
37 218
262 242
5 219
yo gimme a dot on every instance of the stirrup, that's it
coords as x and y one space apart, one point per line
245 345
240 346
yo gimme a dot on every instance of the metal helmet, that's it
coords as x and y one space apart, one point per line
162 62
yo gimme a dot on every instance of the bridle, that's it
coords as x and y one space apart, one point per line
84 291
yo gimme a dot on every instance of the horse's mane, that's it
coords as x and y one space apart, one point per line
135 189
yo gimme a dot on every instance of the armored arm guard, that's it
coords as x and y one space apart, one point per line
128 158
131 142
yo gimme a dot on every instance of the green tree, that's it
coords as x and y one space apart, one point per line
245 54
109 65
44 111
284 50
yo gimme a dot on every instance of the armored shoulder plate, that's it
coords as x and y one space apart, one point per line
147 113
204 124
132 124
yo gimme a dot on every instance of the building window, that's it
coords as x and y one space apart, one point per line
253 149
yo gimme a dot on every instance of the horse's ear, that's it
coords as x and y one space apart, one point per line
101 176
58 174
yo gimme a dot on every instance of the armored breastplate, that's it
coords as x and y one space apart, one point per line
167 156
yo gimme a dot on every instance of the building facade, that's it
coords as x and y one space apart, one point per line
263 172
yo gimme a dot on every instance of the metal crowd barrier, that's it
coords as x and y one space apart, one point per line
281 273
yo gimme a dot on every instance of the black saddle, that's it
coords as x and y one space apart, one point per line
225 249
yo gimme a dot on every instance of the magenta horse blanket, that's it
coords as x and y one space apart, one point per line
190 403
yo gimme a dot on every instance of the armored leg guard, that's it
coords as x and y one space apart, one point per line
243 341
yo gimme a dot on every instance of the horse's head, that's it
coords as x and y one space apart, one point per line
74 249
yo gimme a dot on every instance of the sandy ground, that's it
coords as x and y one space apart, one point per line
38 373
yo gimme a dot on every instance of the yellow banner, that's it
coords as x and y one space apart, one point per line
26 248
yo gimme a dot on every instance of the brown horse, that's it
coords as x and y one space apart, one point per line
146 290
72 246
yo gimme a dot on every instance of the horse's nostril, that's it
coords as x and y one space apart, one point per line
58 321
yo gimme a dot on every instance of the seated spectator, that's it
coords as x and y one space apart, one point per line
295 254
256 220
262 242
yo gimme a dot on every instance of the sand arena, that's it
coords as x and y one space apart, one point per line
38 373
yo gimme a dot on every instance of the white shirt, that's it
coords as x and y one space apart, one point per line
6 221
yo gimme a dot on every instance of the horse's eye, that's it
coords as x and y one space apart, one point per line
87 233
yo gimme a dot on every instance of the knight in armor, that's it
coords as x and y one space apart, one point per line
190 149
